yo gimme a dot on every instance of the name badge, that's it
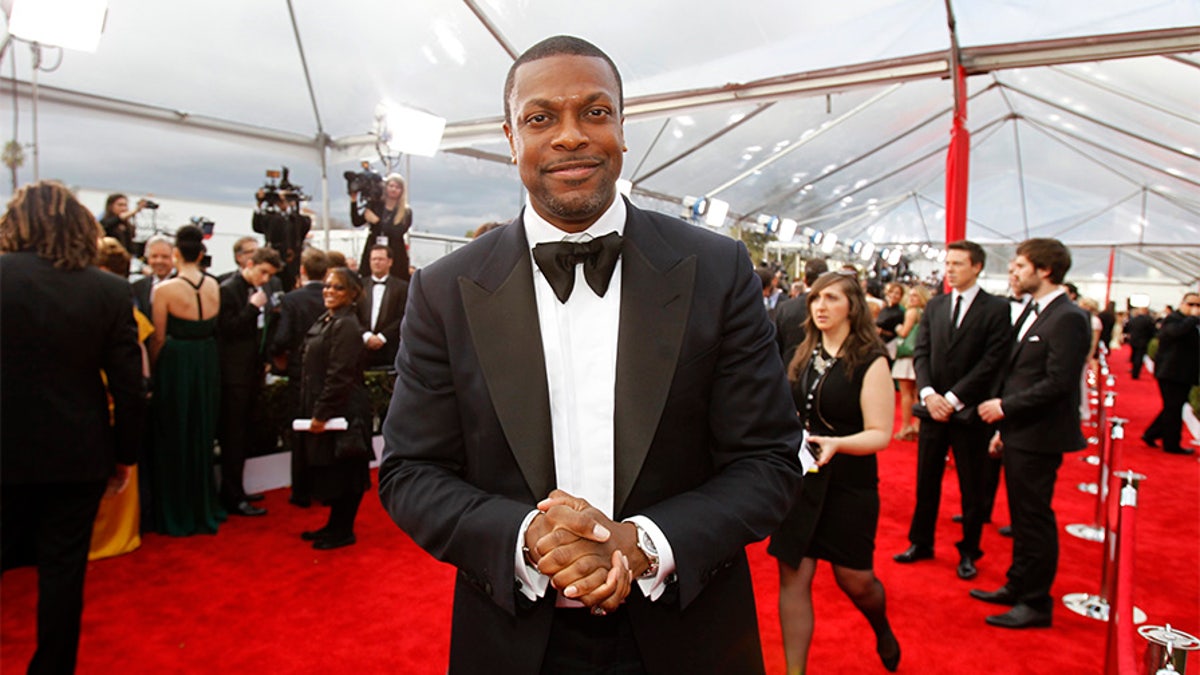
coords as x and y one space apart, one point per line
382 241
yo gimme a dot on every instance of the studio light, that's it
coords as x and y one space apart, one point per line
717 210
868 250
787 230
409 131
70 24
829 242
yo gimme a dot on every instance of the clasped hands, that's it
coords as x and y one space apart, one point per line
588 556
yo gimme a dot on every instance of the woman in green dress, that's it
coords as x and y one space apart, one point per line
184 405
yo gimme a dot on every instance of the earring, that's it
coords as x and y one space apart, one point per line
514 160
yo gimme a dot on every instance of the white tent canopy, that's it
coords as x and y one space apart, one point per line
1084 116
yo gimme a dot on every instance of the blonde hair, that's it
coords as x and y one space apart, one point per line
45 218
921 292
402 205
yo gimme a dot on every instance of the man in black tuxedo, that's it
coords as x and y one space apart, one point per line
791 313
381 309
1139 332
241 337
1037 412
60 448
961 343
299 309
1177 369
592 452
159 251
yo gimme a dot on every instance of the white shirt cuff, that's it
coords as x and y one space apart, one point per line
367 336
926 392
532 583
958 405
381 338
653 588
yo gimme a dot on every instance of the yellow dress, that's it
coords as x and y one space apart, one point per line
118 522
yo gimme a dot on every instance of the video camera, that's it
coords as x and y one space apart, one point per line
367 183
282 196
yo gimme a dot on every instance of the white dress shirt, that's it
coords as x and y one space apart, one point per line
1039 305
377 290
579 340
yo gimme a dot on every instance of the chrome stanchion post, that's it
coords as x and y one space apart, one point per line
1110 397
1096 606
1094 531
1168 649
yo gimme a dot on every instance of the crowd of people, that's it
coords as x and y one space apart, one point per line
596 407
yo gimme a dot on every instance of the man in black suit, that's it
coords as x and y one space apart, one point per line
241 337
60 445
1139 332
299 309
961 342
791 313
1177 369
649 407
1037 410
381 309
159 251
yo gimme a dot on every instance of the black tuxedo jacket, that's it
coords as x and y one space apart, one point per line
60 329
967 361
1040 388
395 297
1140 331
1178 357
706 439
297 312
239 339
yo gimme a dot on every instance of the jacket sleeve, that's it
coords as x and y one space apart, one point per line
343 368
391 329
123 368
237 318
921 352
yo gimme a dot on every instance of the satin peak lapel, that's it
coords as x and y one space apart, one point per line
654 313
504 330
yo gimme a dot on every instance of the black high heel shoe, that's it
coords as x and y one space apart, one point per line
890 659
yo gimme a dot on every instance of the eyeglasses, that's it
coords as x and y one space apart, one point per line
334 287
1192 304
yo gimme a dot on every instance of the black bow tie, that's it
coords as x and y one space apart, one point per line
376 282
557 261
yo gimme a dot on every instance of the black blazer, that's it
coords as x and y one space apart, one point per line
1140 330
238 335
395 297
1178 357
790 316
298 310
59 330
966 361
1040 388
706 439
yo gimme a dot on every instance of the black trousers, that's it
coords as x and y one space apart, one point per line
1136 359
53 522
1169 424
1030 478
969 443
582 644
991 485
301 482
237 414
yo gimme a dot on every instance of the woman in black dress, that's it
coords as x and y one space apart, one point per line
389 218
843 392
332 386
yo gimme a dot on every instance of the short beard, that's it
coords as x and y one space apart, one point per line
581 209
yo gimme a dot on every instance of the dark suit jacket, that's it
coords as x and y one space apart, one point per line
1040 388
790 316
1178 357
238 335
966 361
1140 330
59 330
395 297
706 439
298 310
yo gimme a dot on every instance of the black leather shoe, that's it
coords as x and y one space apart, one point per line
300 501
1021 616
257 497
314 535
1152 442
245 508
1005 531
1000 596
1179 451
326 543
966 568
913 554
888 650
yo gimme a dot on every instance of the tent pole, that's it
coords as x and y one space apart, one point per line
325 192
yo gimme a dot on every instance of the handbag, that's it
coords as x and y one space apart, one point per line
905 348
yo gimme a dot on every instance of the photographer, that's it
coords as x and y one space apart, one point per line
118 219
279 220
389 218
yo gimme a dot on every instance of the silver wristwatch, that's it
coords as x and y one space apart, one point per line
646 544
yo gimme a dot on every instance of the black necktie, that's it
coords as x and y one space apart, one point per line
957 312
557 261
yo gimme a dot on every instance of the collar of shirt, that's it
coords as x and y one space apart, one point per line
968 297
378 280
538 231
1044 301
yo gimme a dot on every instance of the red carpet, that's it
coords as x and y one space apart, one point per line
256 599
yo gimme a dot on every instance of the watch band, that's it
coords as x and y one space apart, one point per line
646 545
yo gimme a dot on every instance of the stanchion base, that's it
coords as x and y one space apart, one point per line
1095 607
1094 460
1086 532
1090 488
